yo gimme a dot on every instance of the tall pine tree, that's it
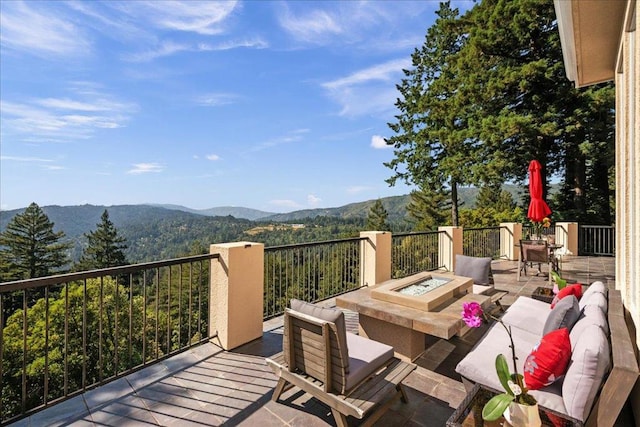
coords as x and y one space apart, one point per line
30 248
377 218
428 209
105 247
432 146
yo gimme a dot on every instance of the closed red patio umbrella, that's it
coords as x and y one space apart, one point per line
538 208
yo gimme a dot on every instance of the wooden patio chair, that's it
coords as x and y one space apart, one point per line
536 252
354 376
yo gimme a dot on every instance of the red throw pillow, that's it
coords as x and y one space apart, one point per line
548 360
575 289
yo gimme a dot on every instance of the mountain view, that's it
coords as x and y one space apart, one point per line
155 232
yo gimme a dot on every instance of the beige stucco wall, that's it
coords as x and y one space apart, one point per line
628 174
237 293
376 257
449 245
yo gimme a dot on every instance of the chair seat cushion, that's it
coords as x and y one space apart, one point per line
365 358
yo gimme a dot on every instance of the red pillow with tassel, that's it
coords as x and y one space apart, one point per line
575 289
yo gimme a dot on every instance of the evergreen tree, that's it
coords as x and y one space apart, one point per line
428 209
30 248
377 218
105 247
432 146
493 206
487 94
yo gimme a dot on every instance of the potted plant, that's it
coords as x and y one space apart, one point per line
515 404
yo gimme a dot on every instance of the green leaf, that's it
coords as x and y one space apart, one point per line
502 369
496 406
559 280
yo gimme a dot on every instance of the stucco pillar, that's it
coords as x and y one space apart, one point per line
510 235
237 293
449 245
376 257
567 236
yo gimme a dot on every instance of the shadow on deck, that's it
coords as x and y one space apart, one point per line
208 386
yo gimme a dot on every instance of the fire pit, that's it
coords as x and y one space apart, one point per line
424 291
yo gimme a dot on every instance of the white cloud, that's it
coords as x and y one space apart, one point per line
201 17
313 200
167 48
216 99
379 143
316 26
213 157
381 72
368 91
140 168
256 42
59 119
40 32
24 159
291 136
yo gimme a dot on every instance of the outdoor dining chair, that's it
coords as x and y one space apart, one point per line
536 252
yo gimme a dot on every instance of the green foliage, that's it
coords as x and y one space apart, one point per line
105 247
377 219
432 147
428 209
493 206
486 94
109 328
30 248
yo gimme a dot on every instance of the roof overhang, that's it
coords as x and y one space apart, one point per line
590 32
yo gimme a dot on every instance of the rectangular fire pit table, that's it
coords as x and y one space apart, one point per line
396 322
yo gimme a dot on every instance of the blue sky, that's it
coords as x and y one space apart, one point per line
276 106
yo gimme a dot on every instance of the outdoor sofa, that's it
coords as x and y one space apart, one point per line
602 368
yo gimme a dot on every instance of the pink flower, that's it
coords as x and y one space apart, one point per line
472 314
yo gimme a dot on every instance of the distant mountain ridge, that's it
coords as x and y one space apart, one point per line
234 211
165 231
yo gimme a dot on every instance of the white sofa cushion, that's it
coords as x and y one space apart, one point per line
479 364
594 298
591 315
590 361
595 287
527 314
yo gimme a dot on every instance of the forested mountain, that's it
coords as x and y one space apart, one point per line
155 232
235 211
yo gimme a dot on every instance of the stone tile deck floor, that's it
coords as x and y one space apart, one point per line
208 386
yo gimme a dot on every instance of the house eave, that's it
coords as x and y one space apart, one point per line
590 35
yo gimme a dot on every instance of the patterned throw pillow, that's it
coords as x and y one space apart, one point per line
549 359
575 289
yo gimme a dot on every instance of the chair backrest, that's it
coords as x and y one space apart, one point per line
312 347
534 251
